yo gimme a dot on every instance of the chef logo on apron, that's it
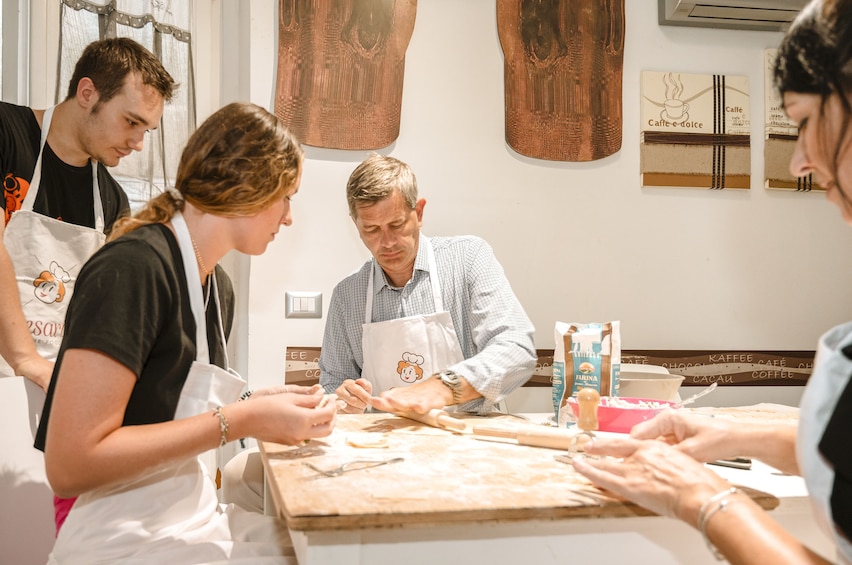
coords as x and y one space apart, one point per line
49 287
410 369
50 284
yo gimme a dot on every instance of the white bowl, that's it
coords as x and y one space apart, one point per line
655 386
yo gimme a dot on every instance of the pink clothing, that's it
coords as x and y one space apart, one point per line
61 508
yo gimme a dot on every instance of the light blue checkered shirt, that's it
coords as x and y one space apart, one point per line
495 333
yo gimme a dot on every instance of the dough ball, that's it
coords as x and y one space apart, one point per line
368 440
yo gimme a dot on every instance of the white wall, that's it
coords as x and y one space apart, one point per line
681 268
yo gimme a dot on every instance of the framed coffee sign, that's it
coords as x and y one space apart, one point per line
695 130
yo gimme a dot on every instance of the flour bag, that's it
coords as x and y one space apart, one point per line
586 355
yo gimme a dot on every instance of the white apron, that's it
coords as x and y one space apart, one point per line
831 373
407 350
172 514
47 255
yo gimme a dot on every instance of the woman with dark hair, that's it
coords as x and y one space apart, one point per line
141 392
813 72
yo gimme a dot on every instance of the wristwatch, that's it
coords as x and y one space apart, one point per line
453 381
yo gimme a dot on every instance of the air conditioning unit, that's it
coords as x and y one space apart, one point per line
764 15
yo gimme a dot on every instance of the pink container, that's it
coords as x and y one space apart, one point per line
622 419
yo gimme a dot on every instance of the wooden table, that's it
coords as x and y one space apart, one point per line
458 499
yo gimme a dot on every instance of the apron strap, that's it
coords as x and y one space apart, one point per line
193 281
433 275
433 278
29 199
368 309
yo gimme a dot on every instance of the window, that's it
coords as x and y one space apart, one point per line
163 27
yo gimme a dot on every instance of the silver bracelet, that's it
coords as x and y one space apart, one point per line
223 425
707 511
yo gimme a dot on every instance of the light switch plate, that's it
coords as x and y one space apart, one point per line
303 305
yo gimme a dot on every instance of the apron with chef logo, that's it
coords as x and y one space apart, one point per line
47 255
172 513
407 350
832 370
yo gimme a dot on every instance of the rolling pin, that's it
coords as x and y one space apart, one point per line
436 418
554 438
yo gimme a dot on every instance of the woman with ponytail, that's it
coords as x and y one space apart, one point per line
142 392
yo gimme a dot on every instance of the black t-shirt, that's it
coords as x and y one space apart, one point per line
65 192
131 302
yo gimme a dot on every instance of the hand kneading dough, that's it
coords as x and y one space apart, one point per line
367 440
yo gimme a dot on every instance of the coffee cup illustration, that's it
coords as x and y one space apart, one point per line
675 109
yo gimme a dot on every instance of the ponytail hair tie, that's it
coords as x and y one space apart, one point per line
175 194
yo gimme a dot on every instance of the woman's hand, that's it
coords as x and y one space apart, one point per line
701 437
650 473
287 416
707 439
662 478
297 389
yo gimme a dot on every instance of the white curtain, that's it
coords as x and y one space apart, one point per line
163 27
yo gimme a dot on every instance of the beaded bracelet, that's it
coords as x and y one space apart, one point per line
707 511
223 425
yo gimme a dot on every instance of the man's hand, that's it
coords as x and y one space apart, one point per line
37 369
353 396
420 397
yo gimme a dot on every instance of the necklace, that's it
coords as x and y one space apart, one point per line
198 256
